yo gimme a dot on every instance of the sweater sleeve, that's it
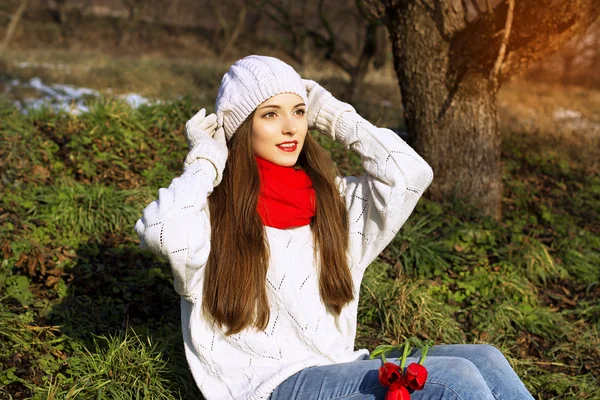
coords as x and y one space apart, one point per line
176 226
380 201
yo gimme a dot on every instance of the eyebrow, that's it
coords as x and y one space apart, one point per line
278 107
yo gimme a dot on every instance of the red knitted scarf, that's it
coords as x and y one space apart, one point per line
287 198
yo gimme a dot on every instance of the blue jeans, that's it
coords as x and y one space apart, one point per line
456 372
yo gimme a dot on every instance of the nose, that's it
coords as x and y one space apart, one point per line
289 126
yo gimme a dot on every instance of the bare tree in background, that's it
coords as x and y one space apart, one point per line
124 28
451 56
67 15
334 46
230 27
12 27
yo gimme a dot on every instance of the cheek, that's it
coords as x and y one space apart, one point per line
303 126
256 144
262 138
305 130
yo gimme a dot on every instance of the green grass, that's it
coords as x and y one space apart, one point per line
85 314
125 366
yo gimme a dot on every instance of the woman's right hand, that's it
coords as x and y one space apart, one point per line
201 126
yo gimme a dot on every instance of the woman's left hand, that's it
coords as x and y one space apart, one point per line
317 96
319 99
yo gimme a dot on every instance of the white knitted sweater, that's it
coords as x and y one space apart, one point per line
301 332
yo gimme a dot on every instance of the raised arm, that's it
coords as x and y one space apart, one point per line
176 225
380 201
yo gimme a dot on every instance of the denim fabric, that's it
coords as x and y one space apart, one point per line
456 372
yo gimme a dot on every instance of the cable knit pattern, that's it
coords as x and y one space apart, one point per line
301 331
249 82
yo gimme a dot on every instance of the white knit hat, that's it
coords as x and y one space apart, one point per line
249 82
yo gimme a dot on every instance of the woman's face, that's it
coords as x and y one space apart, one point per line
279 128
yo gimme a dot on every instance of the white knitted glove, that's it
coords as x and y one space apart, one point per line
323 110
198 126
207 141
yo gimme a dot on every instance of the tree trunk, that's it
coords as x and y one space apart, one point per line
452 116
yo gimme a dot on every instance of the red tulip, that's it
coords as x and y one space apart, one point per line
416 375
398 393
390 374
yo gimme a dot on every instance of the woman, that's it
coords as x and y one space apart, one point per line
268 246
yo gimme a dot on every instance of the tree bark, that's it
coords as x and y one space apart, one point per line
450 65
453 118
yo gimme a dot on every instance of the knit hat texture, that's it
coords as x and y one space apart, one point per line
248 83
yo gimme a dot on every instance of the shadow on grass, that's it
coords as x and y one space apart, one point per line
116 289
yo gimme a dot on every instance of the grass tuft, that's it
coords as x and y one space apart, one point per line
125 366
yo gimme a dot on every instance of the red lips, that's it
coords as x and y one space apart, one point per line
289 149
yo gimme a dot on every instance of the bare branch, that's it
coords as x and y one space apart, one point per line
538 28
371 9
327 26
267 8
232 35
489 6
502 52
219 16
285 21
476 6
12 27
466 7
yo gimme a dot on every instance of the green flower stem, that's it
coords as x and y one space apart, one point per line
383 357
381 349
424 354
406 348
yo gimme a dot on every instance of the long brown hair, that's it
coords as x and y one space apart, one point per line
235 293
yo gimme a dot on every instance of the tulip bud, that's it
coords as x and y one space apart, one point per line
389 374
415 377
398 393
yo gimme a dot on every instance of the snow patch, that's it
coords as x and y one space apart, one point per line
67 98
134 99
563 113
574 121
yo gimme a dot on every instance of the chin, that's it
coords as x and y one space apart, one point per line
287 163
283 161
